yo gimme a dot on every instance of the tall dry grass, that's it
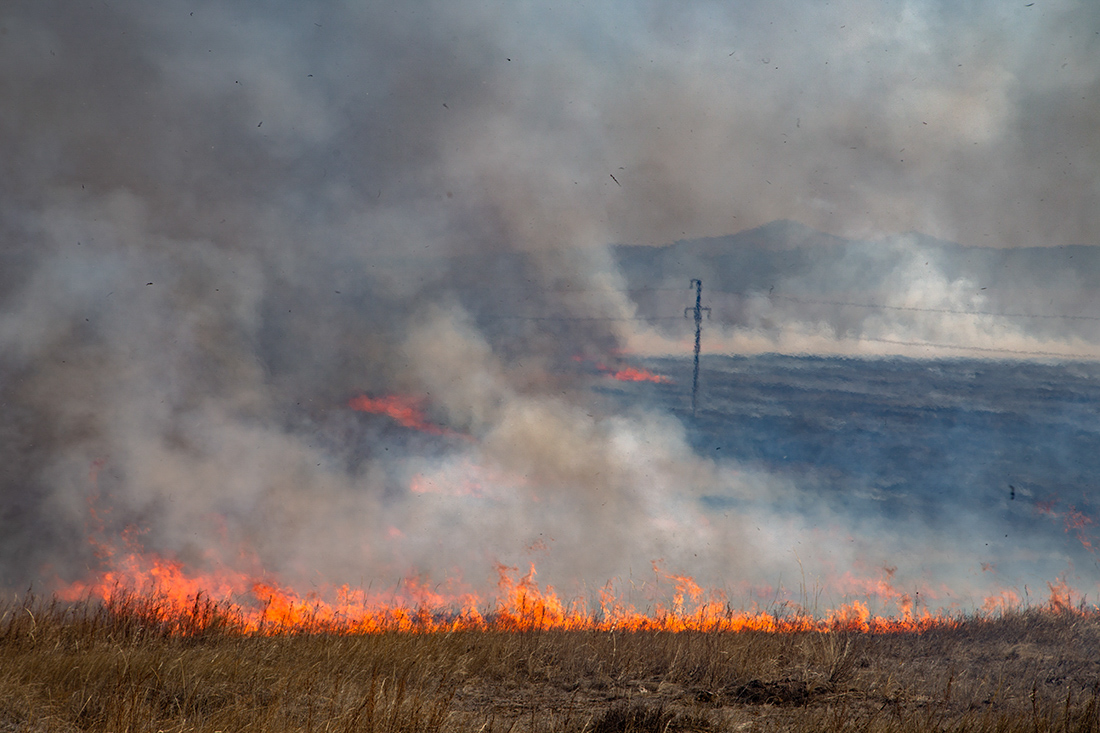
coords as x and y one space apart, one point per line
133 667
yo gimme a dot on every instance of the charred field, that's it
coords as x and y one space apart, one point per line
92 668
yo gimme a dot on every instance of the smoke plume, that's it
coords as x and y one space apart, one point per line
220 224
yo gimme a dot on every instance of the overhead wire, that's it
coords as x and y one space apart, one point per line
931 310
811 301
959 347
787 298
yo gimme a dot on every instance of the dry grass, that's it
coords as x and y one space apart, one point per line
66 668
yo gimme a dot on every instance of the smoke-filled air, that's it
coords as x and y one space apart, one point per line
390 301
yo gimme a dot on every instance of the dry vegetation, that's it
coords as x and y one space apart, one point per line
66 668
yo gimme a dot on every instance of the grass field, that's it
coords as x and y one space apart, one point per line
67 667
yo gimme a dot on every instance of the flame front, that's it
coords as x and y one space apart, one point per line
162 591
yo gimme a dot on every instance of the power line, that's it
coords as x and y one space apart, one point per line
987 349
534 288
698 310
579 318
603 290
801 301
899 342
879 306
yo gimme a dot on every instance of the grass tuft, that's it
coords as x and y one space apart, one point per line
130 665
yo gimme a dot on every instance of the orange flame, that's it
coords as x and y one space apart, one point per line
1073 520
1001 603
1061 597
405 410
150 588
631 374
163 591
627 374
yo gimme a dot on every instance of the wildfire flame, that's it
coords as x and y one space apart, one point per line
629 373
405 410
1073 520
151 588
180 601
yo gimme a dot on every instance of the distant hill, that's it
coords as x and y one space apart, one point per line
762 258
785 277
749 260
911 287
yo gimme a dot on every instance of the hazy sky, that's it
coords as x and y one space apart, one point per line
219 221
974 123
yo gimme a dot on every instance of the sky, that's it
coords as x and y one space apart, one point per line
219 222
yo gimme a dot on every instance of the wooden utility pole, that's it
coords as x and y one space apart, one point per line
698 285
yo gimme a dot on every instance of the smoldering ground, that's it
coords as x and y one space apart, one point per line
220 224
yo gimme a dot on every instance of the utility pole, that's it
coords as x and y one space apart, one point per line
698 285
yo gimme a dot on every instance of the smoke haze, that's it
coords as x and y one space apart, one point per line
219 224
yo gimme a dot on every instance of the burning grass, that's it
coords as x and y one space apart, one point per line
134 664
174 598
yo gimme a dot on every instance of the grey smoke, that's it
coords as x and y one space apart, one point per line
188 297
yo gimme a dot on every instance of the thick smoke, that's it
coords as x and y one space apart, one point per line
221 223
786 288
